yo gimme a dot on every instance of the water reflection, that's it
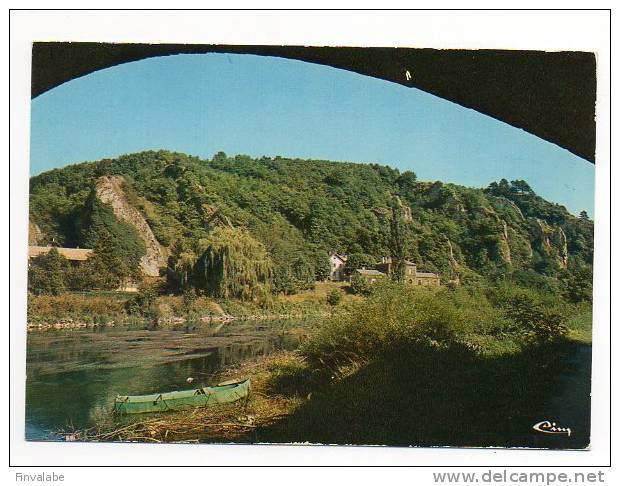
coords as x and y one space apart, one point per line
73 376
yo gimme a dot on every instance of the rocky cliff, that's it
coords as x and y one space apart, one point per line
109 189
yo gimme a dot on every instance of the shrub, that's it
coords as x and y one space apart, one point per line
189 299
334 297
143 303
395 316
539 325
360 285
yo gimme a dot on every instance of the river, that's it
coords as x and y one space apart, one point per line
74 375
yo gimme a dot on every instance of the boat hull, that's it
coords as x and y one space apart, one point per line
182 400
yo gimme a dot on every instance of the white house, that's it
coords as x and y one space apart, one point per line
336 264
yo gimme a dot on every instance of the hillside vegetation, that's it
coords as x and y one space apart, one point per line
299 210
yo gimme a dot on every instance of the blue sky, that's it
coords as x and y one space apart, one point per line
242 104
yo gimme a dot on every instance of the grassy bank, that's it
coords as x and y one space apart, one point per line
119 308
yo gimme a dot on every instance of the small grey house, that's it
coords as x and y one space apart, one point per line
369 275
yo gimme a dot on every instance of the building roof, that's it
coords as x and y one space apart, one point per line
75 254
342 258
385 260
364 271
426 274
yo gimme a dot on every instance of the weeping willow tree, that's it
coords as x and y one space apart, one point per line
180 267
234 265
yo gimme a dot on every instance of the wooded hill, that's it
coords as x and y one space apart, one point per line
300 210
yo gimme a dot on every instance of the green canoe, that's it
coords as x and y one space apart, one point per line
181 400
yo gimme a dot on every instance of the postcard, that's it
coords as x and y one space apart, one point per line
287 244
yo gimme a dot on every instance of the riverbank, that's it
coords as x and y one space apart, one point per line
109 309
265 406
451 400
70 324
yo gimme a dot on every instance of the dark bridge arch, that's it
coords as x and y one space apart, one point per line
549 94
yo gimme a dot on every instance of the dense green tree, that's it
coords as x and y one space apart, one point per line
520 187
298 275
97 226
82 277
108 266
47 273
320 261
283 280
358 260
303 272
219 157
577 284
537 323
406 183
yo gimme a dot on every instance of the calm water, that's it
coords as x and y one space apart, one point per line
73 376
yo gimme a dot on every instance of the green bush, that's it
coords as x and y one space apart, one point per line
47 273
334 297
143 303
189 299
360 285
538 324
393 317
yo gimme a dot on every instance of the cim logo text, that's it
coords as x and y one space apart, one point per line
548 427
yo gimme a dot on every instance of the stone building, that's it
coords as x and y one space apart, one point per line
426 278
370 275
412 276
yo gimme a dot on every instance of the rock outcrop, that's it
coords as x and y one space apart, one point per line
506 253
507 202
442 195
551 240
405 210
35 235
542 231
109 189
560 242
